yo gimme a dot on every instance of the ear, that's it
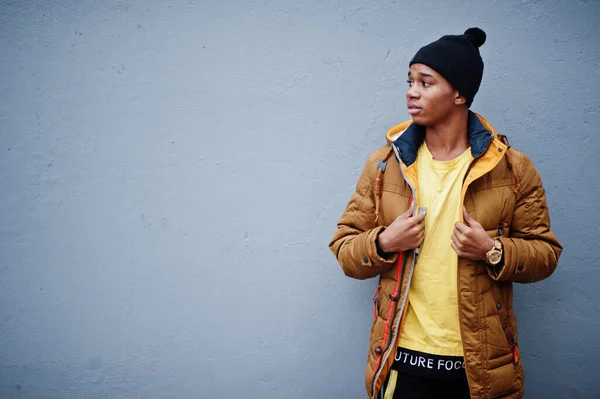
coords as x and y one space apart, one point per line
459 99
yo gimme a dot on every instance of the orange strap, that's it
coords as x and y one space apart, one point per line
394 298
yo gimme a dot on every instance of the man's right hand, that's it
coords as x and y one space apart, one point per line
406 232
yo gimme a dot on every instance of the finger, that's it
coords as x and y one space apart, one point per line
459 237
468 218
466 214
406 214
459 240
461 227
419 217
416 234
455 249
418 226
454 237
420 236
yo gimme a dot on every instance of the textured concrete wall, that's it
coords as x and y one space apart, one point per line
172 171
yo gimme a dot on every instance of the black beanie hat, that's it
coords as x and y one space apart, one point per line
456 58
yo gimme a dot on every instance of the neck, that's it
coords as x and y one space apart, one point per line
449 139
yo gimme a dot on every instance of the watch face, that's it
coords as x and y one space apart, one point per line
495 257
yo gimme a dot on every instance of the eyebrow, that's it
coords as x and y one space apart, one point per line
422 74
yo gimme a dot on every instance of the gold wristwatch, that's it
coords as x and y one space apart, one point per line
494 255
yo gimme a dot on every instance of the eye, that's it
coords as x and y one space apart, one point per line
426 83
410 83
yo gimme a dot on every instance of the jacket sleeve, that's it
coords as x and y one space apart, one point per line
353 243
531 251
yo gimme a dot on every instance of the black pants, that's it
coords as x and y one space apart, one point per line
408 386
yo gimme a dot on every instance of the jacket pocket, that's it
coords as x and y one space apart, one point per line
498 327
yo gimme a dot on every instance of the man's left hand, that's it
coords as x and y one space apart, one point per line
470 240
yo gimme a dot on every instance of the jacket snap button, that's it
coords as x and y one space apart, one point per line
504 326
378 350
365 259
498 306
499 149
520 267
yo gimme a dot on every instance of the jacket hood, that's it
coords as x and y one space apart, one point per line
407 137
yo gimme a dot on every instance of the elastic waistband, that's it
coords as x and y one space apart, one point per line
428 365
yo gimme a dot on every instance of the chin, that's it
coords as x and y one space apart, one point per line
419 120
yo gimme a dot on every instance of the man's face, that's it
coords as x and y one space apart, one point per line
430 97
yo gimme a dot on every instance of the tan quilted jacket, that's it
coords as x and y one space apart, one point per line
503 191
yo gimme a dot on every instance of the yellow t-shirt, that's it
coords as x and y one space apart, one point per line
431 324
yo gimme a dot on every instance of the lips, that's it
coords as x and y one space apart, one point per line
413 109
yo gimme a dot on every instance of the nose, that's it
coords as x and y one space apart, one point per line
412 92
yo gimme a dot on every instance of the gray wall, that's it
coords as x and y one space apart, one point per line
171 174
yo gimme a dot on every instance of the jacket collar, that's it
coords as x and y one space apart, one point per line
408 142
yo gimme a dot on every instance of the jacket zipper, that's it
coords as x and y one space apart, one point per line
386 352
462 338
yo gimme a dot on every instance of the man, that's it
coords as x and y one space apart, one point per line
448 215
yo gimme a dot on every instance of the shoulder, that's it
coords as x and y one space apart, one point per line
528 179
379 154
369 173
521 162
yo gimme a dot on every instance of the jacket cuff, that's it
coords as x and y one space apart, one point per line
380 250
372 257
